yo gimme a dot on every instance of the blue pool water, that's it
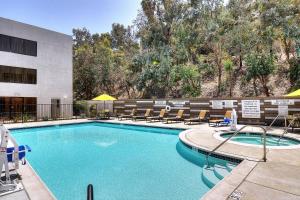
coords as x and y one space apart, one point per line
121 161
255 138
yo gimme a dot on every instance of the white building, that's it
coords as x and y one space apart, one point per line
35 69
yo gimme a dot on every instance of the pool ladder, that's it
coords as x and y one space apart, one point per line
264 133
286 127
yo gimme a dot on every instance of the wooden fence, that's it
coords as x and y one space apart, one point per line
250 110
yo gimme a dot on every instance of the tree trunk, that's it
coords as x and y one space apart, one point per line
230 85
287 48
266 90
127 91
265 87
219 80
218 60
287 51
255 87
240 60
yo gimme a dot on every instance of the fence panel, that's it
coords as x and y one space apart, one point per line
20 113
253 110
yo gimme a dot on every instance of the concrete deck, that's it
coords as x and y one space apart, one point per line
278 178
33 185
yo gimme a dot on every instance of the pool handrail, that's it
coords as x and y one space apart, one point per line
286 129
234 134
90 192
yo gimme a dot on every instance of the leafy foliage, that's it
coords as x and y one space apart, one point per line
260 66
176 48
295 73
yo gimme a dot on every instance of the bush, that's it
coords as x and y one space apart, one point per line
26 118
259 67
45 118
93 111
295 73
80 108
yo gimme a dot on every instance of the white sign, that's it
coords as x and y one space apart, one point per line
178 103
283 102
251 108
160 103
283 110
228 103
217 104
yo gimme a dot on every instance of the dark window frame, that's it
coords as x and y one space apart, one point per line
19 75
17 107
18 45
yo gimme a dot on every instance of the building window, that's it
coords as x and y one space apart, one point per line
17 108
17 75
18 45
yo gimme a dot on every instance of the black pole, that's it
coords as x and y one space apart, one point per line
90 192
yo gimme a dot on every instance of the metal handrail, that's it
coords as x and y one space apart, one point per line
90 192
285 126
273 122
234 134
286 129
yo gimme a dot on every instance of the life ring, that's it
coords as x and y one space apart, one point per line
168 108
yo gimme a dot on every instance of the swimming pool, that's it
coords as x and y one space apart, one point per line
256 139
121 161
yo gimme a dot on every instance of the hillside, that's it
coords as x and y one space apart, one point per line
180 48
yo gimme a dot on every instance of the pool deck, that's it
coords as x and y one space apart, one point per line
276 179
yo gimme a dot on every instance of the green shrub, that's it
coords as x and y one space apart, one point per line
295 73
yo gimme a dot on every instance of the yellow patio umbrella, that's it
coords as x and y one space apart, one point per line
294 94
104 97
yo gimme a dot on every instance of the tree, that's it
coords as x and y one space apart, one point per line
179 48
228 66
85 73
260 67
100 66
188 78
283 16
295 73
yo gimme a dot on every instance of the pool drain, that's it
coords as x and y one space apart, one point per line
236 195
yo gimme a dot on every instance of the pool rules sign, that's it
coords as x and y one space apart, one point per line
251 108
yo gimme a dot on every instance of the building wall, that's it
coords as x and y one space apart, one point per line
53 63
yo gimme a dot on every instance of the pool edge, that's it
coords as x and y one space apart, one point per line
34 186
218 136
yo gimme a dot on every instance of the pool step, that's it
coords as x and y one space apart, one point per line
208 176
230 166
272 142
220 171
277 142
212 175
